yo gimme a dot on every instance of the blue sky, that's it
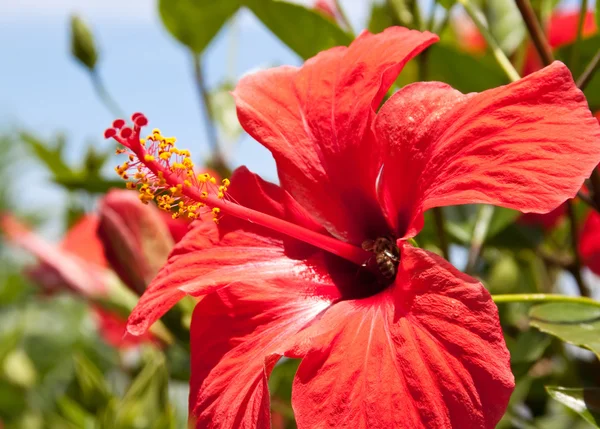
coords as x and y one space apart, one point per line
45 91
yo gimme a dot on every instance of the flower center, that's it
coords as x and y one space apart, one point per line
165 174
386 258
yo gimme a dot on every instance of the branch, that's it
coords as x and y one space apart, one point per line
535 31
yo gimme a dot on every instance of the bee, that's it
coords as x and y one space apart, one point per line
387 255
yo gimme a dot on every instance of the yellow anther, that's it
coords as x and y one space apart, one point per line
148 158
226 182
175 215
185 153
216 220
174 150
188 163
203 177
187 183
131 158
130 185
190 173
191 215
216 210
213 180
221 195
165 155
120 151
143 142
155 131
204 194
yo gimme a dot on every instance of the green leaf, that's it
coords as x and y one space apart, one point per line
83 46
587 50
50 156
447 4
574 323
74 413
382 17
196 22
585 402
305 31
463 71
501 219
223 107
506 24
146 402
94 390
94 185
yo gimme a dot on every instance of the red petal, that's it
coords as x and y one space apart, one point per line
237 336
208 258
428 353
527 146
562 28
315 120
589 242
546 220
60 266
82 240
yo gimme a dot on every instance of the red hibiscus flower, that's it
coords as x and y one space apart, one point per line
393 337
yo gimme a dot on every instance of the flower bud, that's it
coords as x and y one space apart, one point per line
82 43
135 237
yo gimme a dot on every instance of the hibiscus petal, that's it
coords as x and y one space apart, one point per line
427 353
528 146
315 120
237 336
589 242
209 258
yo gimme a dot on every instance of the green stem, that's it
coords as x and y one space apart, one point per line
575 51
105 97
501 58
535 31
480 230
589 71
575 269
213 139
543 297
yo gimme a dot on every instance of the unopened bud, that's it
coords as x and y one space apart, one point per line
82 43
136 238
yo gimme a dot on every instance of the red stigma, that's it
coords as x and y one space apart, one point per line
118 123
109 133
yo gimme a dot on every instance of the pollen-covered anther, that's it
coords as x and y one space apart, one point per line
162 172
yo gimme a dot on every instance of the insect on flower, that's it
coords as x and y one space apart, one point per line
387 256
278 273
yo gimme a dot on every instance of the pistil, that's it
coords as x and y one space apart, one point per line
159 175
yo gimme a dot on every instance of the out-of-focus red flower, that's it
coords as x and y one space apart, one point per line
136 238
77 264
589 242
562 30
283 273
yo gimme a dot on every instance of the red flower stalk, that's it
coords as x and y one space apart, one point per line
390 336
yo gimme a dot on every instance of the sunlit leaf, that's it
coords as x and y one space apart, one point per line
506 24
196 22
463 71
574 323
305 31
585 402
